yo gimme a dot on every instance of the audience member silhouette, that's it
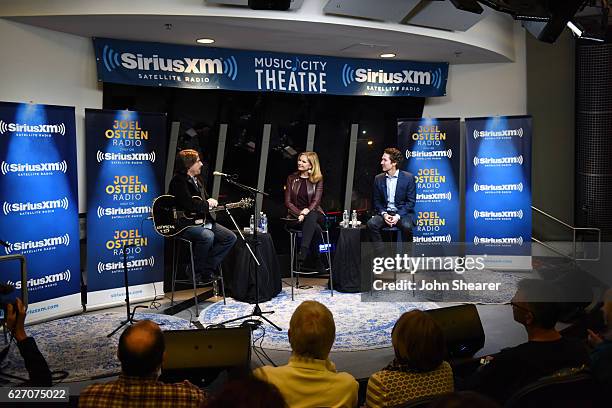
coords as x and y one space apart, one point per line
418 369
310 378
535 306
141 352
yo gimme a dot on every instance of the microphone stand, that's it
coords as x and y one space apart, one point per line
129 315
256 310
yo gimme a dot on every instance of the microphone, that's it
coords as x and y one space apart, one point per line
231 176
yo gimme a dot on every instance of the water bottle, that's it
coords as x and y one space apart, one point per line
345 219
252 223
260 222
264 223
354 219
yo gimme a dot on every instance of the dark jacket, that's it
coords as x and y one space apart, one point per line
405 195
184 189
38 369
315 192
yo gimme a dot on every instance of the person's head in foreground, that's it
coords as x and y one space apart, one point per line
141 349
312 330
248 392
534 304
418 341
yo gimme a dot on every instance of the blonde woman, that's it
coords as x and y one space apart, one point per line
303 194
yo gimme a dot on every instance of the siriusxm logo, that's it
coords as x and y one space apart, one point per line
498 241
498 187
214 66
434 196
25 128
45 280
434 238
26 207
41 244
109 212
101 156
498 161
6 168
117 266
361 75
428 155
498 133
498 214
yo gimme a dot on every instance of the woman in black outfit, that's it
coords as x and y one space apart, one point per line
303 194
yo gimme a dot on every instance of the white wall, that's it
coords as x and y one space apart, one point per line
485 89
48 67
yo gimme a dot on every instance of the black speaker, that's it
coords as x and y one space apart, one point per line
462 329
282 5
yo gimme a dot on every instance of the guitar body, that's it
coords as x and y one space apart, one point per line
170 221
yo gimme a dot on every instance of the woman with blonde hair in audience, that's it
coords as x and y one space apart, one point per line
418 369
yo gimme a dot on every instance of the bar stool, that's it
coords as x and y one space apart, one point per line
294 234
393 231
175 259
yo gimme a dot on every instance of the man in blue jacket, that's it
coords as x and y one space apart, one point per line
394 197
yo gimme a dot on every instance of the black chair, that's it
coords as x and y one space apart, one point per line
295 268
564 389
191 267
422 402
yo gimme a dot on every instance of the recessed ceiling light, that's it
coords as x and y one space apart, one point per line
205 41
387 55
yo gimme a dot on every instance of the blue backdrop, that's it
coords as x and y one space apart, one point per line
38 196
125 162
498 188
431 151
153 64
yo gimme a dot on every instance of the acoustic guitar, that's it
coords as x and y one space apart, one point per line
169 221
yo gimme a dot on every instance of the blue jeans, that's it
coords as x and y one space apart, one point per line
209 246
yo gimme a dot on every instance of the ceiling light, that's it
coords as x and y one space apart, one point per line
387 55
205 41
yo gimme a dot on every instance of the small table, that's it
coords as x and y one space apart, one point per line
240 269
347 260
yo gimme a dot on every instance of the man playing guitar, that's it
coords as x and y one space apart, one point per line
211 241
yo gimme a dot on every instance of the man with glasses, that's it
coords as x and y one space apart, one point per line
535 306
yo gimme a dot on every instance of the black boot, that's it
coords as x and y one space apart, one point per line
302 254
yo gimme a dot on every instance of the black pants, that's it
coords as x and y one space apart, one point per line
312 223
377 223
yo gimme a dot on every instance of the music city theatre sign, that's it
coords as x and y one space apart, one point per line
154 64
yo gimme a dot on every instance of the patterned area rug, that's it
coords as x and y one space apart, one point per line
359 325
79 346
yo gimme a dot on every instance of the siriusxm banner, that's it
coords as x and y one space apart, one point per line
39 216
498 190
431 150
125 152
182 66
